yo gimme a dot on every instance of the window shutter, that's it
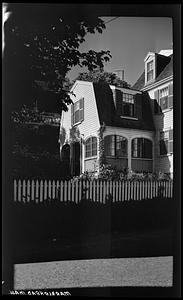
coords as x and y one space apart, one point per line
81 103
170 95
119 102
138 106
72 114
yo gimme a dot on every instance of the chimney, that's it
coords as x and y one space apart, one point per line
120 74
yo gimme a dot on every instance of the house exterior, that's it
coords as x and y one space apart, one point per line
117 120
125 128
157 81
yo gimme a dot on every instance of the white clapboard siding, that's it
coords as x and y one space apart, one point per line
97 190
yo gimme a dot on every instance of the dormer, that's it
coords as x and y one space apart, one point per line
150 67
154 65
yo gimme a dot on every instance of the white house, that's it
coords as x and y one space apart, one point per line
116 122
157 80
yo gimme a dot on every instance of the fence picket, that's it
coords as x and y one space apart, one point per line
32 191
28 191
37 192
61 191
41 191
45 190
65 191
53 189
15 190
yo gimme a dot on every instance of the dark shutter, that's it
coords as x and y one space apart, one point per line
138 106
170 95
119 102
81 106
72 114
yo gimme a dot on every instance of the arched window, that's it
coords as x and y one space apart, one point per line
91 147
115 145
141 148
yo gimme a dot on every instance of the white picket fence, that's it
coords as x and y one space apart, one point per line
98 191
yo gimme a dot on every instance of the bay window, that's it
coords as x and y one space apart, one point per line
141 148
115 146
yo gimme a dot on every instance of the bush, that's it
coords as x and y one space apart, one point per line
107 172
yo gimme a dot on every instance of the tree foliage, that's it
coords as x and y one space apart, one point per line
42 44
99 76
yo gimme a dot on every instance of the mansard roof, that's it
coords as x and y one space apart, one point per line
107 111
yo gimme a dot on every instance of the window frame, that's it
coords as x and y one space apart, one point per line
141 149
163 97
91 142
166 142
150 71
80 111
128 101
114 146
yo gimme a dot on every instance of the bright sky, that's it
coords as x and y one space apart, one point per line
129 39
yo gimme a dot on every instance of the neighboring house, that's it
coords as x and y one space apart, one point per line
116 122
157 80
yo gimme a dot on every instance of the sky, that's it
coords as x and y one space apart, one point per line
129 39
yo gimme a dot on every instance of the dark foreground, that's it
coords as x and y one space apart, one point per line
111 245
55 231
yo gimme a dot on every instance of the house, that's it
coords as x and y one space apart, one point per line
157 81
125 128
116 122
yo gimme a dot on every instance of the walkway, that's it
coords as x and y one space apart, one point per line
114 272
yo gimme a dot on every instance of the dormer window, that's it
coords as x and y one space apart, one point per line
150 67
150 70
128 105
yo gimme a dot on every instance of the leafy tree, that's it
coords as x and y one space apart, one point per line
99 75
42 44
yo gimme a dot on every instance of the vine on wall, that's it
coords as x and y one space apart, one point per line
102 160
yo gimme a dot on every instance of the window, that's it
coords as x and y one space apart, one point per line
163 98
150 71
128 105
115 146
91 147
141 148
77 111
166 142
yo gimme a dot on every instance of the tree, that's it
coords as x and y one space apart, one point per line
42 44
99 75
